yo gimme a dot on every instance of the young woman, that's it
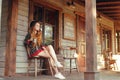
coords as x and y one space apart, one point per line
34 40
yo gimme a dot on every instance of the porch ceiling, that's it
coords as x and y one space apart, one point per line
110 8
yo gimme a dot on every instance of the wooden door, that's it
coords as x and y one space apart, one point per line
81 36
81 44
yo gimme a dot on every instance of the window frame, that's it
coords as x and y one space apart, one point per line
50 7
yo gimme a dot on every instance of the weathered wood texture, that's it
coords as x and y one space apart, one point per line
117 25
4 16
117 28
91 50
22 23
23 10
0 16
10 56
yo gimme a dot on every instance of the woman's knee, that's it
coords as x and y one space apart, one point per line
43 54
49 45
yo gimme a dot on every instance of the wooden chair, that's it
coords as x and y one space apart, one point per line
68 54
113 64
35 69
110 62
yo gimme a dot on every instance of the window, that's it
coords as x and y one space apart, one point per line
49 34
106 40
48 18
38 13
118 41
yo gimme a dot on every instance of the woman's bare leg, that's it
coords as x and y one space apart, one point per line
57 73
46 54
52 53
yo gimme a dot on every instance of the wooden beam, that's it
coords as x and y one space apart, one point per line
108 7
113 14
10 62
106 3
91 52
116 18
105 16
80 14
47 4
80 2
111 11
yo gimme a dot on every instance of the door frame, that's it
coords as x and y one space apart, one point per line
51 6
103 27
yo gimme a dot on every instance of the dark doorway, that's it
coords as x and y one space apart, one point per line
48 18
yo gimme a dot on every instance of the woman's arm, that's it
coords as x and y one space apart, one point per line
27 39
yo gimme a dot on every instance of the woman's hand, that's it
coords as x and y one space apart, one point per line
43 47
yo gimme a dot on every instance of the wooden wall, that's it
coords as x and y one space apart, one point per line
4 25
23 14
117 25
117 28
21 63
0 16
21 57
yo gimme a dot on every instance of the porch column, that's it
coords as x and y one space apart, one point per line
0 16
10 57
91 52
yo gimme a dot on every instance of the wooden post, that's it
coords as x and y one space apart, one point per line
10 62
0 16
91 52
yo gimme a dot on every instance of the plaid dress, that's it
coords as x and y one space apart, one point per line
34 51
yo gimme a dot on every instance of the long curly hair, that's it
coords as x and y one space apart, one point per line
37 36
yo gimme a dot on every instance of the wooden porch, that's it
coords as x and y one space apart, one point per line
104 75
90 33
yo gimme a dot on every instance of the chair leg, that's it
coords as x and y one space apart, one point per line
70 65
40 63
76 65
35 67
116 66
29 63
50 67
64 68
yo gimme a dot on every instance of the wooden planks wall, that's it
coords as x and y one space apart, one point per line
0 16
23 11
21 57
4 16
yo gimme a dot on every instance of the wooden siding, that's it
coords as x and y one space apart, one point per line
23 11
4 16
21 57
117 25
106 21
0 16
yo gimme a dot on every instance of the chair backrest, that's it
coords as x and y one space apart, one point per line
68 52
28 51
107 55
